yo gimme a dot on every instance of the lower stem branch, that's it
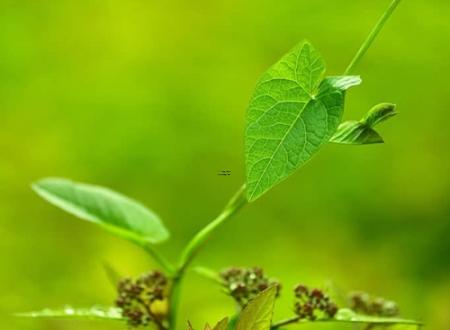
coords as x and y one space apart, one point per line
195 244
282 323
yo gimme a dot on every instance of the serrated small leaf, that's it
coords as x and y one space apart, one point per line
349 316
111 210
292 113
362 132
257 315
69 313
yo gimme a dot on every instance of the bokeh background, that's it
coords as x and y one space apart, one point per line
148 98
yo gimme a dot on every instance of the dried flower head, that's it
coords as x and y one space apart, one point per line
313 304
362 302
144 300
244 284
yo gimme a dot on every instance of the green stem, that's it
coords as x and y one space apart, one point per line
163 262
373 34
236 202
282 323
196 243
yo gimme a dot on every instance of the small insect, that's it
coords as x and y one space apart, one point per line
224 173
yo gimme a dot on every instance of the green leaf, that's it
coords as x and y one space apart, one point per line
257 315
362 132
292 113
346 315
111 210
355 132
349 316
69 313
379 113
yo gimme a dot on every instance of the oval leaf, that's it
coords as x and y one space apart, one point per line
113 211
292 113
69 313
257 315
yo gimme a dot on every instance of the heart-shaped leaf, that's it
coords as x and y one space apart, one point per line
111 210
69 313
257 315
292 113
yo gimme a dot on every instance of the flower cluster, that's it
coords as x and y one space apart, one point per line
244 284
313 304
144 300
362 302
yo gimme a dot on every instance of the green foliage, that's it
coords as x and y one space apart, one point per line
292 113
348 316
69 313
111 210
362 132
257 315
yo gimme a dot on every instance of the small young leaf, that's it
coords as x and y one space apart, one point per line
292 113
362 132
379 113
112 274
355 132
257 315
113 211
93 313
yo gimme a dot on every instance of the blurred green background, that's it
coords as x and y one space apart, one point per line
148 98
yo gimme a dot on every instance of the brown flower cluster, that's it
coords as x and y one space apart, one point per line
313 304
362 302
144 300
244 284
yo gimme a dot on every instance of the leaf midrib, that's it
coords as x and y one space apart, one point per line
281 143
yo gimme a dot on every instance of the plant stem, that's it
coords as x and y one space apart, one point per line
196 243
279 324
163 262
373 34
236 202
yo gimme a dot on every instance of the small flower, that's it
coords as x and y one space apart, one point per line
313 304
244 284
138 298
362 302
